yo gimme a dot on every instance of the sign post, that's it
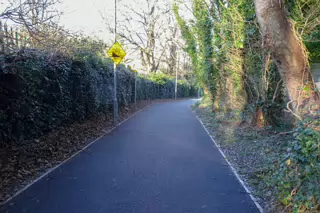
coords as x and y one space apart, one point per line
116 53
115 99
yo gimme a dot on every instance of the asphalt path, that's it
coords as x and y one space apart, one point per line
159 161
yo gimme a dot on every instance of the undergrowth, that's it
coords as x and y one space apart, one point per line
296 174
41 91
287 172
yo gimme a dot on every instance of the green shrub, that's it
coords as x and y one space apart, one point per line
40 91
297 173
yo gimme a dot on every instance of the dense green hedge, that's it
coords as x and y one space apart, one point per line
41 91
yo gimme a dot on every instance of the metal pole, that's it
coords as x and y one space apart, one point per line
176 86
115 21
115 100
135 90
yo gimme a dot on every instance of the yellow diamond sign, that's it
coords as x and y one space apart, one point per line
116 53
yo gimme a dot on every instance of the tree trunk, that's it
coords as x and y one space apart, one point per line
288 53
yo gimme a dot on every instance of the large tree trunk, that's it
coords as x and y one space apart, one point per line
288 53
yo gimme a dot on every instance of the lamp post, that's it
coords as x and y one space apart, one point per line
176 83
135 90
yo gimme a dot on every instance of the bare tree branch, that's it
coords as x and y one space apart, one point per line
145 25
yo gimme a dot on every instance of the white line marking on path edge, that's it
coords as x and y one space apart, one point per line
232 168
72 156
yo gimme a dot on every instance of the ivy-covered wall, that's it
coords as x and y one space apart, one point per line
42 91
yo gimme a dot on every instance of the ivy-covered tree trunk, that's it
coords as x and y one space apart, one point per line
203 30
289 54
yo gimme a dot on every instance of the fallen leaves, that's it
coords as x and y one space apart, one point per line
22 162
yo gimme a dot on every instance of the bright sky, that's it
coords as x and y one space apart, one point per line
84 15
